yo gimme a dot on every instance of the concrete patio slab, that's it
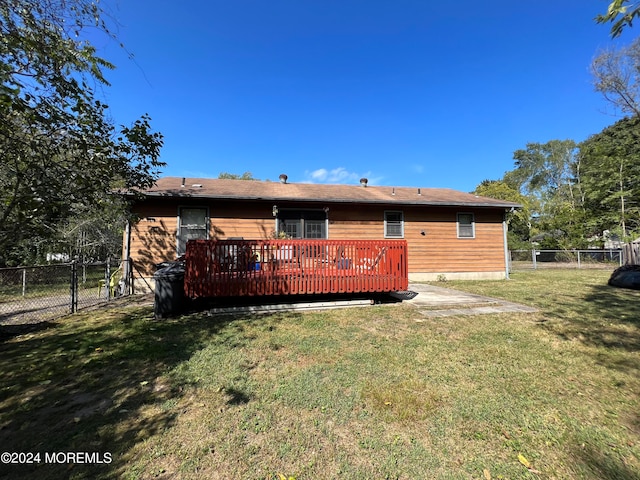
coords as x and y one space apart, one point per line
454 302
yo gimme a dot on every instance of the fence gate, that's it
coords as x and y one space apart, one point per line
41 293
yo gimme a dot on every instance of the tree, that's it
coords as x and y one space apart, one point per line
546 170
60 152
611 178
550 174
235 176
617 76
621 15
518 220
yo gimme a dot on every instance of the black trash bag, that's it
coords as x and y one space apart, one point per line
627 276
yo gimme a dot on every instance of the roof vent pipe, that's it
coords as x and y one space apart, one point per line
393 191
364 181
184 182
283 178
419 192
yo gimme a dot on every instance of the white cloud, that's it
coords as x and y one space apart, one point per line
319 175
337 175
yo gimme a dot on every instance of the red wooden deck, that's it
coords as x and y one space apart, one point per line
228 268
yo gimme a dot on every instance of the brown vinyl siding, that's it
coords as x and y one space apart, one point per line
438 250
153 237
224 228
356 221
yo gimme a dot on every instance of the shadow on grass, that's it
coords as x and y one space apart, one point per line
606 465
237 397
604 316
9 331
89 382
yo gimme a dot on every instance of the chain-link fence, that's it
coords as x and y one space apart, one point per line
40 293
539 259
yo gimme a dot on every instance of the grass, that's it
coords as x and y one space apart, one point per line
53 282
357 393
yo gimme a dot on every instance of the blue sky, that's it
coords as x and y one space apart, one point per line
403 92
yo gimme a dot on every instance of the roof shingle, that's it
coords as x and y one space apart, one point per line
313 192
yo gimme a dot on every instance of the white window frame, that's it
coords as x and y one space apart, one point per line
472 225
387 222
181 245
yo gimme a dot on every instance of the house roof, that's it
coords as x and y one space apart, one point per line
313 192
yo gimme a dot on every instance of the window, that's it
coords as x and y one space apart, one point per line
192 225
466 225
303 223
314 229
291 228
393 224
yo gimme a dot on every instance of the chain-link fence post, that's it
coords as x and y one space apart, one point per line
107 279
73 288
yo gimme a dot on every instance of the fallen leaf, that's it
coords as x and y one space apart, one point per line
523 460
487 474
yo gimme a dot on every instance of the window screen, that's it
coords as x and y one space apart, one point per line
193 226
393 225
466 225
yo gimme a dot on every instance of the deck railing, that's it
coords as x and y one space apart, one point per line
227 268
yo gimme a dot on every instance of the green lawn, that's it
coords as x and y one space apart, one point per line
379 392
53 281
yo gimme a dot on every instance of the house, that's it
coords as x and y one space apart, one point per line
449 234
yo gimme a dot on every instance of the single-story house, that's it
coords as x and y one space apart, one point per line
449 234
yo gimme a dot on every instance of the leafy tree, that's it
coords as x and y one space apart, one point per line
617 76
60 152
550 175
544 169
518 220
620 14
235 176
610 162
